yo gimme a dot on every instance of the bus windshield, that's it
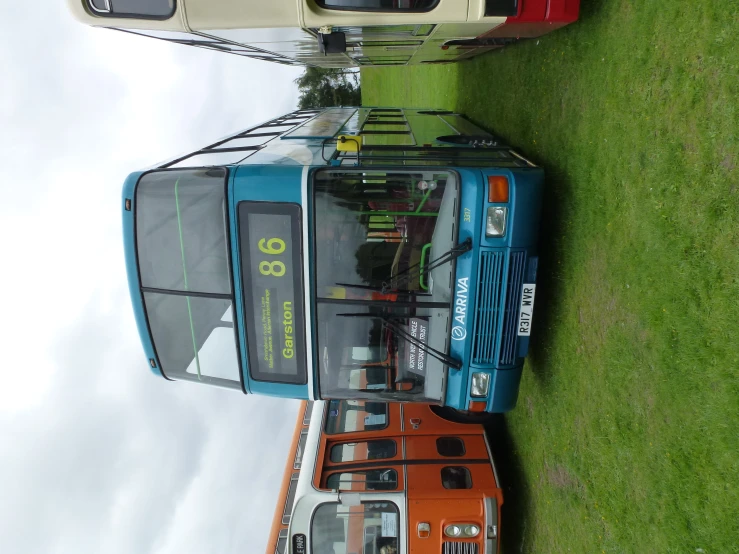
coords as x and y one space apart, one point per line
375 232
371 527
182 249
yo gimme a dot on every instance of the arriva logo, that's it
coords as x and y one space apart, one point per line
458 333
460 308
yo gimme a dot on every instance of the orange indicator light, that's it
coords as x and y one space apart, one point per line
497 188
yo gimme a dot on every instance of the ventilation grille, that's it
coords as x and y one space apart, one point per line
512 305
489 285
459 547
497 307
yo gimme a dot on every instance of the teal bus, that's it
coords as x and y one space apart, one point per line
374 254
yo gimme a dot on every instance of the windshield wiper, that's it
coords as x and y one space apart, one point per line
403 334
416 271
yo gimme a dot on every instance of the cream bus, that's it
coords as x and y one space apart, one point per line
335 33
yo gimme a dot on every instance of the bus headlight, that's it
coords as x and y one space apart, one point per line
462 530
496 221
471 530
480 384
452 530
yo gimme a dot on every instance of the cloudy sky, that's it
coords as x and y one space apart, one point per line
96 454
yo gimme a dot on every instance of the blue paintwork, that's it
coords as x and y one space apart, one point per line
470 199
129 249
268 183
275 174
505 389
524 207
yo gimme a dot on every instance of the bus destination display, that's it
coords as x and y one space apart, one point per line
271 269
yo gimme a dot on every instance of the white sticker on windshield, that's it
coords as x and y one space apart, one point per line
374 419
389 525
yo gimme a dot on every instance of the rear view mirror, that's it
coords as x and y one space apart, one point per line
332 43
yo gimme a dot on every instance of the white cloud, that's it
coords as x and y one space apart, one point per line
97 454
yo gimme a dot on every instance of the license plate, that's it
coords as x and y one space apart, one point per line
527 310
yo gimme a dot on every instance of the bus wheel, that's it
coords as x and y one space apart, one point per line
462 416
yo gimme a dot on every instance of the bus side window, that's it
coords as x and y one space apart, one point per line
349 416
281 542
379 5
450 446
290 500
300 449
456 478
382 479
308 412
360 451
147 9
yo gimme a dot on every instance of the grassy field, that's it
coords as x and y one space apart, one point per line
625 438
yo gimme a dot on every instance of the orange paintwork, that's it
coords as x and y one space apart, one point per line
428 500
477 406
277 524
440 512
417 464
438 426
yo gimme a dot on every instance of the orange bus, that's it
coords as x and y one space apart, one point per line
277 543
369 477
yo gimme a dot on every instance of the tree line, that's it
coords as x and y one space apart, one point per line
322 87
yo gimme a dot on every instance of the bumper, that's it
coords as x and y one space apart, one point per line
536 18
491 526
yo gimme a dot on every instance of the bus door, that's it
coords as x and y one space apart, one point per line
451 465
432 463
445 478
385 44
364 434
358 456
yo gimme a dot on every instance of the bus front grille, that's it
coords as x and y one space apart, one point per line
489 289
512 305
459 547
496 313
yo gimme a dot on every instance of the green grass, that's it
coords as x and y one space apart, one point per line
625 438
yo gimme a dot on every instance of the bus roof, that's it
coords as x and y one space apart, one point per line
277 524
